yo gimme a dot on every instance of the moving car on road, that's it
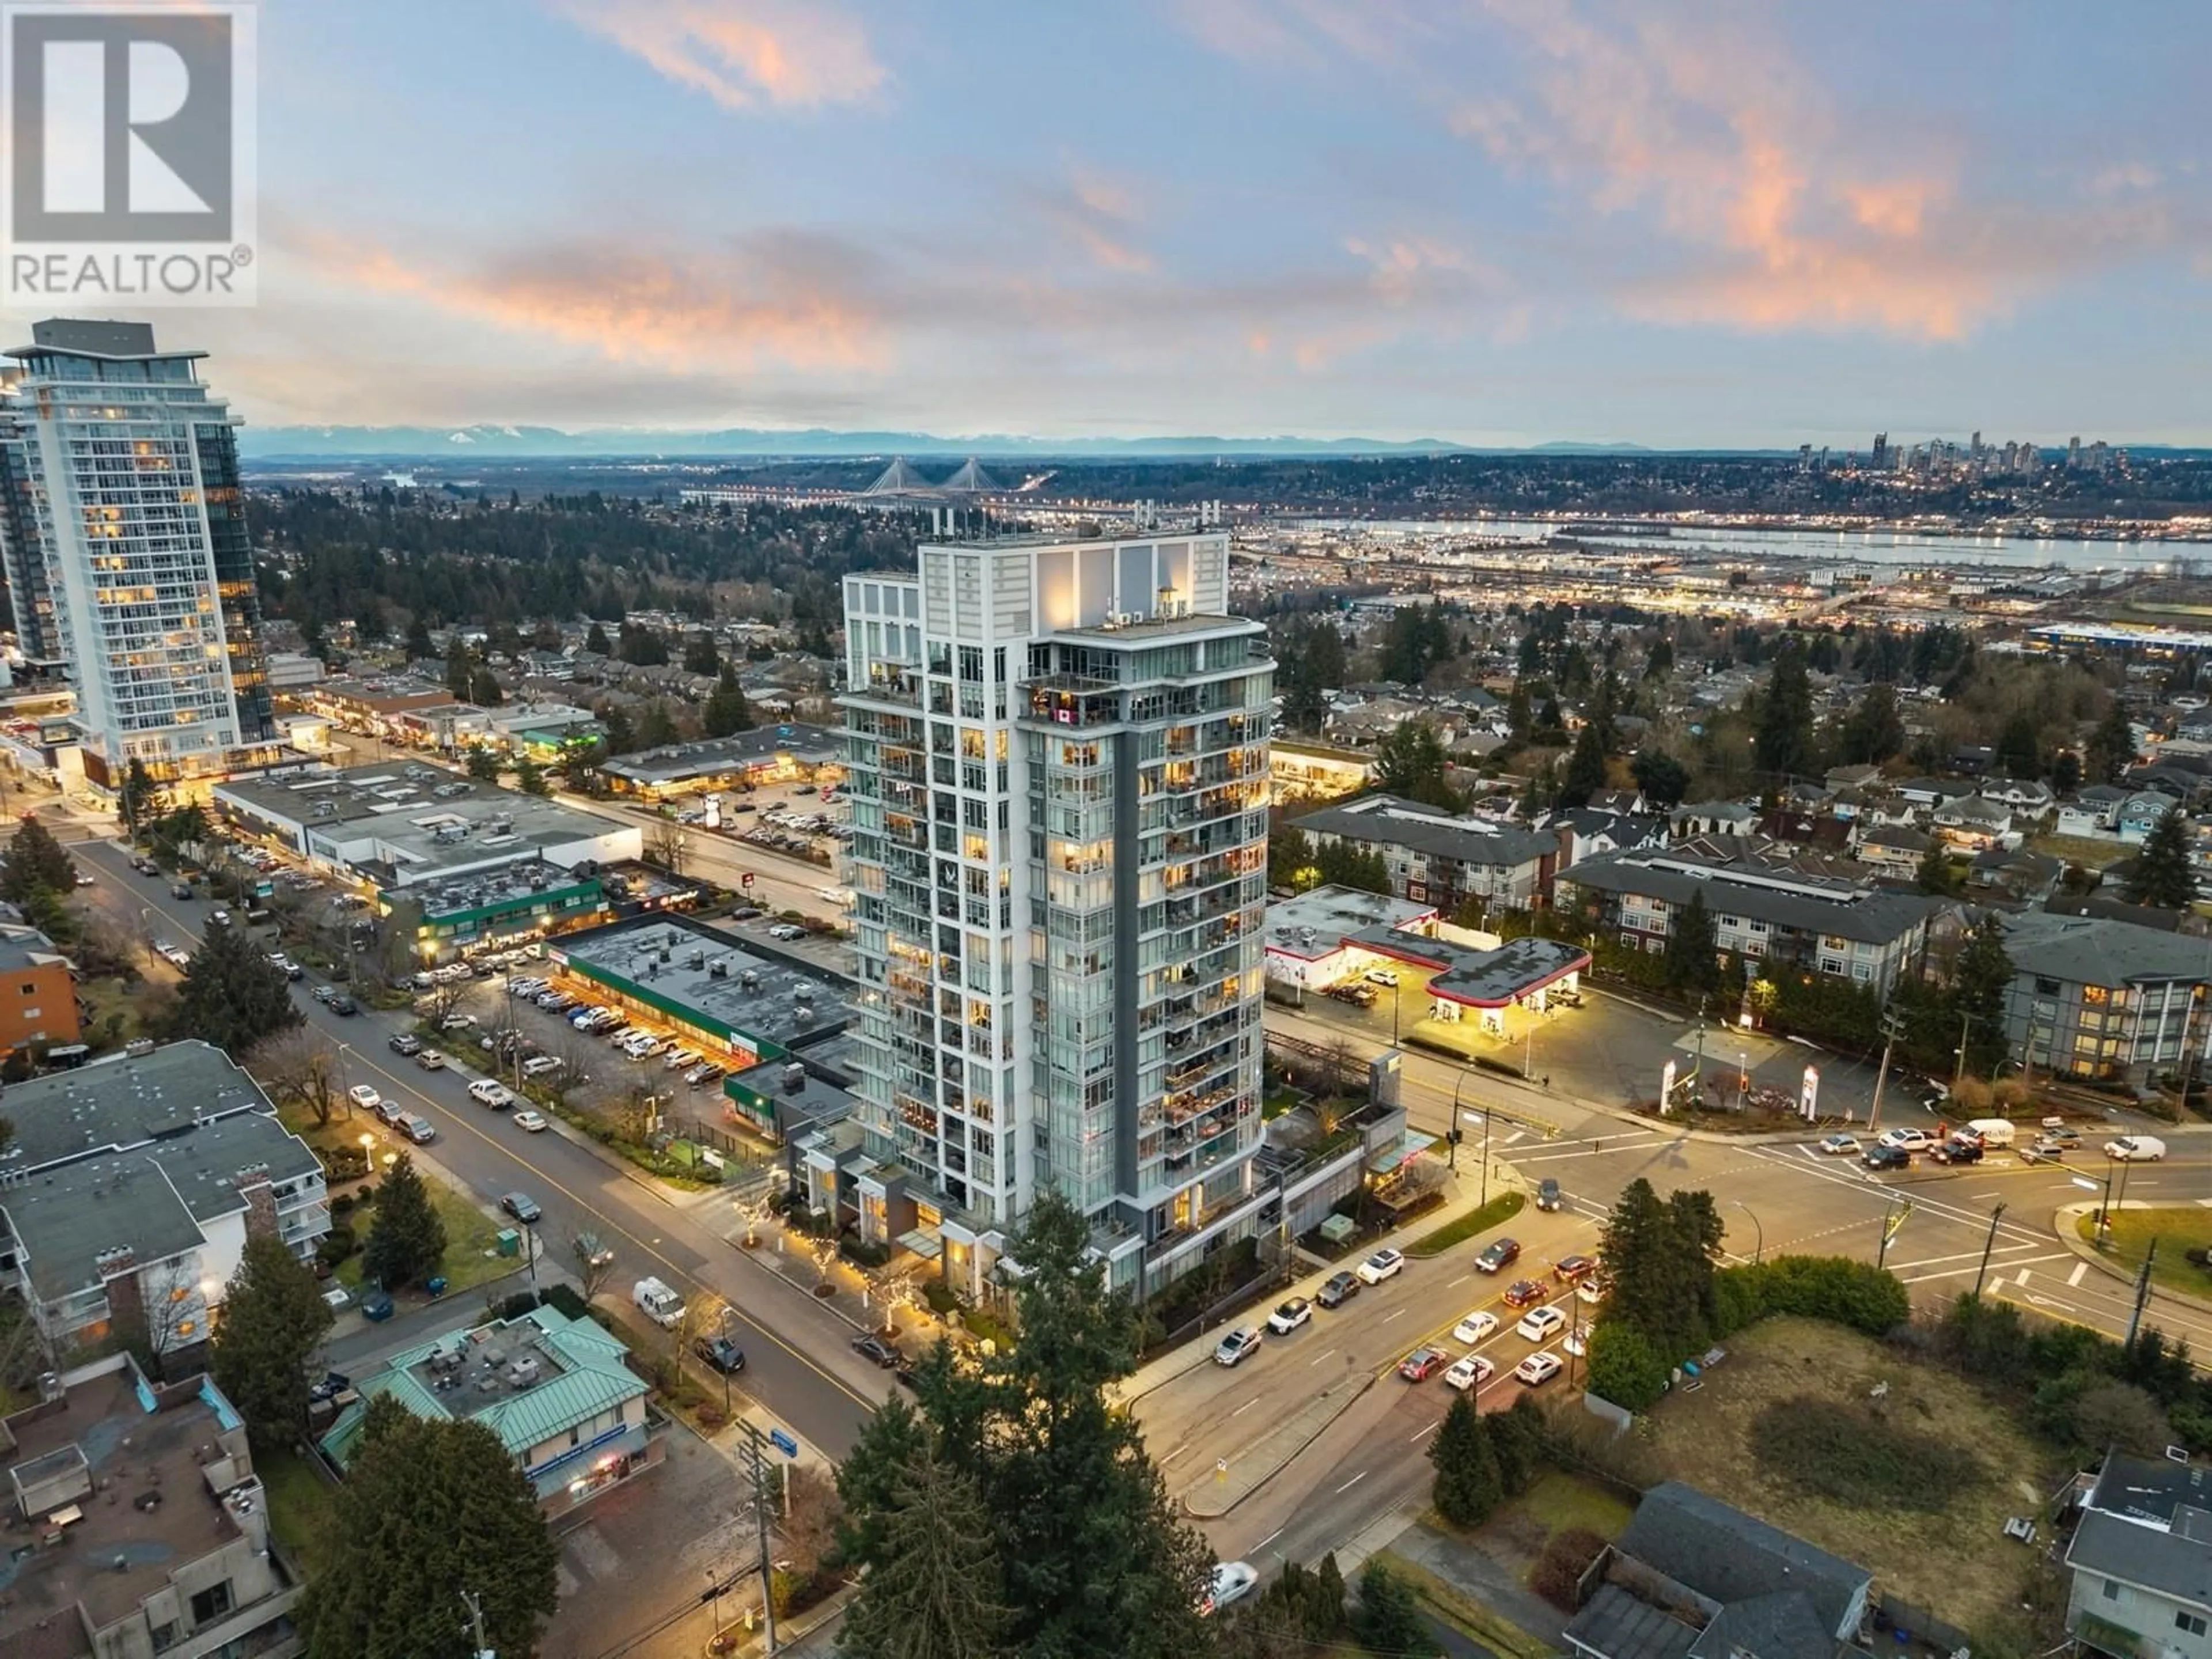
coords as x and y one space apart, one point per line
1468 1371
1524 1293
1879 1157
1539 1368
1422 1364
1384 1264
1232 1348
523 1207
2136 1149
1548 1196
1232 1580
1840 1145
404 1042
1498 1254
1476 1326
1573 1269
1957 1150
1292 1314
1909 1139
719 1353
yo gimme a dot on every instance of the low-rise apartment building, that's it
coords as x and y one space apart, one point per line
132 1187
1437 858
37 993
2097 998
1317 771
137 1525
1764 905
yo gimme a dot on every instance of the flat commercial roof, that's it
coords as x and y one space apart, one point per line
1391 820
1314 924
678 761
1479 979
489 889
710 979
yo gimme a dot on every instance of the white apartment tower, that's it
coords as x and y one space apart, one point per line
123 538
1058 758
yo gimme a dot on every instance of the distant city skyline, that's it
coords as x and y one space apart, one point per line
1495 224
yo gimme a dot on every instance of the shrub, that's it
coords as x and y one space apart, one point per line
1847 1453
1559 1570
940 1296
1624 1367
341 1204
566 1298
336 1245
863 1253
1830 1287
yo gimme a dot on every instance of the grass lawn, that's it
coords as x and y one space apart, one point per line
1948 1550
109 995
1504 1207
2092 853
471 1259
1558 1502
299 1509
2177 1228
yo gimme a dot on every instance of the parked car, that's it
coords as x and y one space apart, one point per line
540 1066
416 1128
1879 1157
2136 1149
1380 977
531 1122
1524 1293
1468 1371
1340 1289
719 1354
404 1042
523 1207
457 1022
489 1091
1539 1324
322 992
344 1007
1907 1139
1476 1326
1292 1314
1539 1368
1840 1145
376 1307
431 1061
1232 1348
1498 1255
877 1352
1422 1364
1384 1264
364 1097
1957 1150
1359 995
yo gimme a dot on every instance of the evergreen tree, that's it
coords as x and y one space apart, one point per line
1518 716
2111 749
1874 731
1663 779
421 648
726 710
1624 1367
232 996
1416 641
656 726
701 654
139 800
933 1586
484 764
483 689
868 1479
36 859
2018 754
1469 1486
1551 723
1935 874
1518 1439
595 639
2163 876
407 1239
273 1320
1692 957
1291 859
1660 1255
1093 1557
1585 773
529 777
1411 762
639 644
1389 1620
614 720
2065 772
1782 741
460 667
431 1510
1660 662
1981 986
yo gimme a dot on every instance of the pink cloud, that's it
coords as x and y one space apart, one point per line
743 53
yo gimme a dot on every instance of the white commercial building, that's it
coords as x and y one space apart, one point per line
1058 759
124 541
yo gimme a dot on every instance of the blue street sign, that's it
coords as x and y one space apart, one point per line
783 1442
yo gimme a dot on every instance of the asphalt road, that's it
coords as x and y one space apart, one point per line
797 1363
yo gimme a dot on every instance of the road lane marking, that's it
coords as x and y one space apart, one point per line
1246 1406
1322 1355
1269 1540
1963 1255
1350 1484
1515 1139
1176 1453
1386 1318
1461 1279
2022 1278
2074 1277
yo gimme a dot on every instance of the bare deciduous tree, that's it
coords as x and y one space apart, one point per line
300 1068
593 1261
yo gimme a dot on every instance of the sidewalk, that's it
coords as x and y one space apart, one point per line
2063 1222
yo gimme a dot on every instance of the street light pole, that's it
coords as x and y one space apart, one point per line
1758 1248
1890 1026
1988 1244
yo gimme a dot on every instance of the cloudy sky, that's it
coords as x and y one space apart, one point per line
1496 221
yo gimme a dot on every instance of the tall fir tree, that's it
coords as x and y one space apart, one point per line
231 995
1692 956
273 1320
1469 1486
2111 749
1783 738
36 859
407 1235
2163 876
934 1589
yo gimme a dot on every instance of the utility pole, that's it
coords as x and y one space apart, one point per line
1959 1072
1988 1244
2143 1292
757 1447
1893 1218
1892 1025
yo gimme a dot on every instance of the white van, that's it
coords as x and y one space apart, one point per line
2136 1149
657 1303
1994 1131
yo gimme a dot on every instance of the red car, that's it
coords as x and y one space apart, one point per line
1422 1364
1573 1269
1524 1293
